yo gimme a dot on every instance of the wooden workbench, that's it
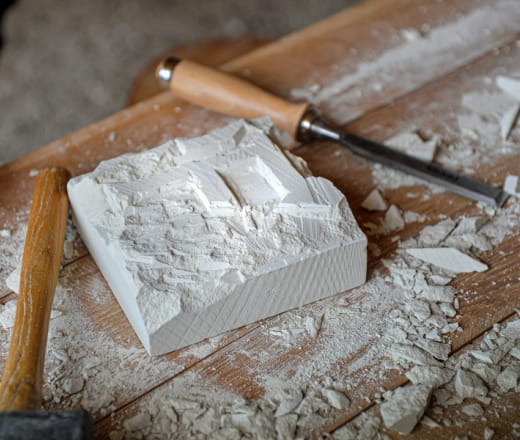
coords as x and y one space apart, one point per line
395 90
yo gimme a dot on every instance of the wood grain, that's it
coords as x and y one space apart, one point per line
21 386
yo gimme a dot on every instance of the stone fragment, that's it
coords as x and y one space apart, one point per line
405 408
438 350
336 399
515 351
286 426
488 433
487 373
429 375
312 325
137 422
289 401
412 354
512 184
429 422
437 293
420 309
434 235
8 313
473 410
509 85
374 201
447 309
508 121
469 225
413 145
73 385
511 330
468 384
393 220
411 34
448 258
507 379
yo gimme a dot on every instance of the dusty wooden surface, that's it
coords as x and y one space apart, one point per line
396 89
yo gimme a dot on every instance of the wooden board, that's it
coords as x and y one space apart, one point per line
424 89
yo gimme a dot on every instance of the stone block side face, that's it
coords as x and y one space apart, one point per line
218 225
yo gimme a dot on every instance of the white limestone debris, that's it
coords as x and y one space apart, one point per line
412 354
512 184
413 217
420 309
393 220
488 433
448 258
515 351
473 410
508 121
429 422
437 293
8 314
137 422
468 384
433 235
290 400
509 85
438 350
432 376
336 399
375 201
469 225
363 427
412 144
405 407
199 236
507 379
312 325
411 34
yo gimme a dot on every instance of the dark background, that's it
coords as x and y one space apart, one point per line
66 64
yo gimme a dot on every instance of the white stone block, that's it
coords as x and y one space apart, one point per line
204 235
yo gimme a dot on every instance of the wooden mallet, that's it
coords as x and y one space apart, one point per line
21 388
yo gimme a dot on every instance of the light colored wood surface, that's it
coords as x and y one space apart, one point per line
21 386
422 92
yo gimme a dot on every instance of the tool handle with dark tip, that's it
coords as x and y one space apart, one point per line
21 386
227 94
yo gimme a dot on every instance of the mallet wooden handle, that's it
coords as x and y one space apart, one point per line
21 386
228 94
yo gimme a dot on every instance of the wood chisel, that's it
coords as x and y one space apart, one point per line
233 96
21 416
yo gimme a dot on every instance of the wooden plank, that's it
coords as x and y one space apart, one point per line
479 311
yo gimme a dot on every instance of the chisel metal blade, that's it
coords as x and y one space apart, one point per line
454 182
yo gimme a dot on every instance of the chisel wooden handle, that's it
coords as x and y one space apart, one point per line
228 94
21 386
